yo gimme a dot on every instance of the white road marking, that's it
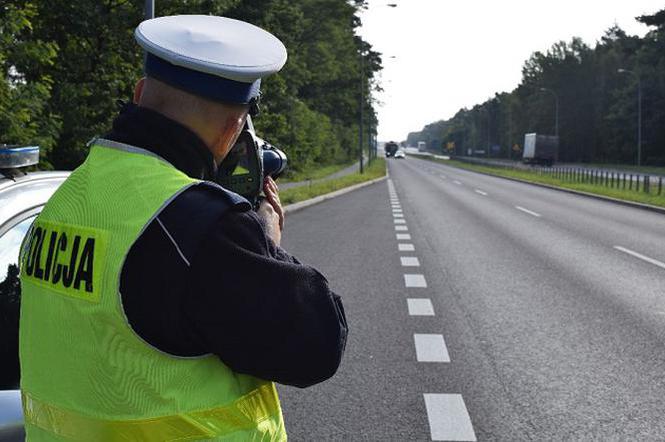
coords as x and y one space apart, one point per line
443 177
457 182
480 192
411 280
397 210
448 417
640 256
431 348
401 236
403 247
399 221
532 213
398 215
420 307
409 261
401 229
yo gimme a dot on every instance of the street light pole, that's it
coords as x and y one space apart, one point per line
556 107
149 9
362 102
639 112
362 105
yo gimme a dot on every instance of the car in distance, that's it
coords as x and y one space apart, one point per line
22 197
400 154
391 147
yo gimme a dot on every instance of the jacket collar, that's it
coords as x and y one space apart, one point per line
176 143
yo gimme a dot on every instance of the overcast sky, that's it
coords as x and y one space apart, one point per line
451 54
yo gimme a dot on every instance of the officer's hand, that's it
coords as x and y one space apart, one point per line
270 211
272 194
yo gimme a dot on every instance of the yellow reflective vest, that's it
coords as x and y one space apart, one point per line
85 374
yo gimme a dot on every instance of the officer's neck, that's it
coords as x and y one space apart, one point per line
175 142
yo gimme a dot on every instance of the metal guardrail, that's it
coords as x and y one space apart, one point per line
638 182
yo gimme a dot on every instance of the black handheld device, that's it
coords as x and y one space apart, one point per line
249 161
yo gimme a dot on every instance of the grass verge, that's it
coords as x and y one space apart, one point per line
535 177
318 173
376 170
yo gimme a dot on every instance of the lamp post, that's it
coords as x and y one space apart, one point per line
149 9
556 113
639 112
362 100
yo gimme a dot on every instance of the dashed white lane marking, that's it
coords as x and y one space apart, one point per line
530 212
431 348
403 247
480 192
448 417
420 307
409 261
457 182
403 236
640 256
415 280
401 228
397 210
399 221
398 215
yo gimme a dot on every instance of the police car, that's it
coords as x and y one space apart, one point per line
22 197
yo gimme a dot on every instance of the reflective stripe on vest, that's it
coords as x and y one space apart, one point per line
85 374
243 414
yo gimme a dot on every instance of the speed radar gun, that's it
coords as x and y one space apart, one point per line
247 164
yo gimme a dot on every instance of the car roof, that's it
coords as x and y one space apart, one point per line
24 194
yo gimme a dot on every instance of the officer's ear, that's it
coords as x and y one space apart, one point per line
138 90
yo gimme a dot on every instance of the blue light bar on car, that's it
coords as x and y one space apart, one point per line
12 157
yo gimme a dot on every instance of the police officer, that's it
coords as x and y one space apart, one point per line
156 304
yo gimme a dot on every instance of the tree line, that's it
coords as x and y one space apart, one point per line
67 63
597 94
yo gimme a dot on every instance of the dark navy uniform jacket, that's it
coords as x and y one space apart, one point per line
204 278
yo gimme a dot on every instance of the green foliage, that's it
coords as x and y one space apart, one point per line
26 85
597 105
67 63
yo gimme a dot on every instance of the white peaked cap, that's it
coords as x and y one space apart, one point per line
209 46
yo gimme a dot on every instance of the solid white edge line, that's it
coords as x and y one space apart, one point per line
640 256
448 417
530 212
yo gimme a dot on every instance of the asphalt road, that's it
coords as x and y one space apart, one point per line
547 312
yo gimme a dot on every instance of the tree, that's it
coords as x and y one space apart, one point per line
26 85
